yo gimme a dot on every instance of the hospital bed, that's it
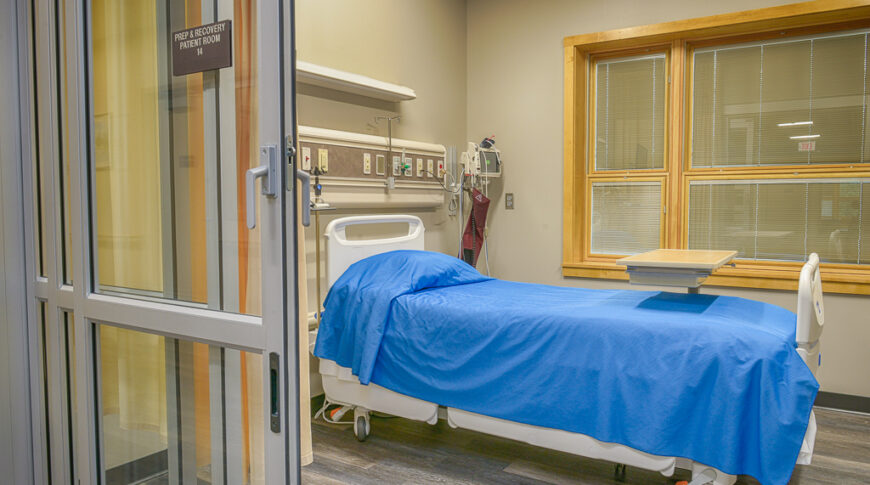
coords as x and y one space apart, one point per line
343 387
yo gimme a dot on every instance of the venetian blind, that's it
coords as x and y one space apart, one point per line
625 217
784 101
630 113
783 220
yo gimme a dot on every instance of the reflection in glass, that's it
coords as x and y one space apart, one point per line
630 113
168 401
792 101
625 217
169 158
782 220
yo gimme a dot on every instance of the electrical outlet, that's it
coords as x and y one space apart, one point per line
367 163
306 158
509 200
430 168
440 168
406 168
323 159
397 166
380 164
419 167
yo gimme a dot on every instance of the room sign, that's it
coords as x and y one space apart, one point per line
202 48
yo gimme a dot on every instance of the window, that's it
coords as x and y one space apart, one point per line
630 112
739 134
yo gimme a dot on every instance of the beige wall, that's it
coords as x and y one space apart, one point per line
420 44
515 91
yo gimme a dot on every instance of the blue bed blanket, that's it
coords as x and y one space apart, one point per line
711 378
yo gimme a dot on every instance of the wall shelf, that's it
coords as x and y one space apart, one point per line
348 82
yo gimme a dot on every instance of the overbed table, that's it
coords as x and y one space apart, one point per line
675 267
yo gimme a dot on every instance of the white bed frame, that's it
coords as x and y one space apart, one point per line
343 388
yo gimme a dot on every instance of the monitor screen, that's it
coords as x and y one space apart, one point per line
490 163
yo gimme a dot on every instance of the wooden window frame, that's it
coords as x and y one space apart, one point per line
678 39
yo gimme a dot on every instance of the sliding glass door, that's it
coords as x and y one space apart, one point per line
161 242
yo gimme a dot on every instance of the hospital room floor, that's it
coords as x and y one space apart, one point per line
410 452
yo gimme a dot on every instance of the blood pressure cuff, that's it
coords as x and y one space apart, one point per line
472 238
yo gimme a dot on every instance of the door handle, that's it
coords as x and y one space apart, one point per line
268 168
305 178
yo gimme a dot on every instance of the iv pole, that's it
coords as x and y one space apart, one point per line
389 142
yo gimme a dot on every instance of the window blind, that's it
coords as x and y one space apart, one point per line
626 217
784 101
630 112
783 220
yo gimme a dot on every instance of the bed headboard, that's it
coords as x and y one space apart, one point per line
342 252
810 313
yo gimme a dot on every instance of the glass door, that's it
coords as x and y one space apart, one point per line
163 242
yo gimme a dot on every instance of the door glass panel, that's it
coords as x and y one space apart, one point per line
65 175
69 355
42 182
46 388
170 155
176 411
57 371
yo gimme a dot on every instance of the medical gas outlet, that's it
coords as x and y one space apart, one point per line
323 160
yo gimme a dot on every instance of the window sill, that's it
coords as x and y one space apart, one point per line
745 274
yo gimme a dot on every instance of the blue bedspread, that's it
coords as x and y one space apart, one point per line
711 378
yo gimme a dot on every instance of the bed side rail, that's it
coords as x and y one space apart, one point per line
343 252
810 313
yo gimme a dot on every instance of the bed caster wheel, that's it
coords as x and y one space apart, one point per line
619 472
362 425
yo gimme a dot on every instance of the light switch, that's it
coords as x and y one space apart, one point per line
367 163
323 159
430 168
306 158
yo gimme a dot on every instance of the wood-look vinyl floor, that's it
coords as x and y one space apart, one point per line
408 452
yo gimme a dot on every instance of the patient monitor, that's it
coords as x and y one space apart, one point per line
483 160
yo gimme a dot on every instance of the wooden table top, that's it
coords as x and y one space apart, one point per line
679 259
